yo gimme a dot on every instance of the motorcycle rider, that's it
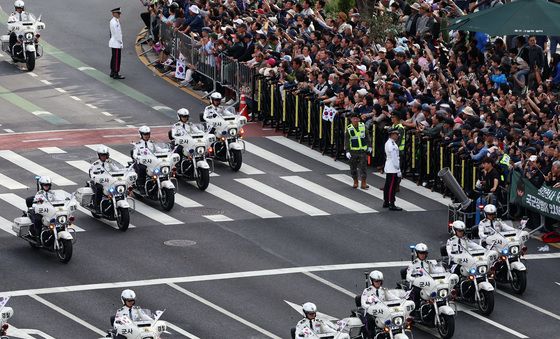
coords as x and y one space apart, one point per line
420 266
145 144
310 324
44 194
214 112
100 166
490 224
128 298
458 244
18 15
372 295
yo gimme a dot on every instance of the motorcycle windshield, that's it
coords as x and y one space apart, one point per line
60 196
229 111
162 148
117 169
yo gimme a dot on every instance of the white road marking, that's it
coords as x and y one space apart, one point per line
19 203
282 197
162 108
32 74
46 82
106 113
375 192
39 140
120 121
217 277
238 201
274 158
218 217
130 126
491 322
61 90
331 195
68 315
250 170
9 130
308 152
26 333
34 168
6 225
10 183
52 150
181 331
39 113
542 256
120 136
299 309
113 224
75 98
223 311
528 304
185 202
423 191
140 207
91 106
86 68
330 284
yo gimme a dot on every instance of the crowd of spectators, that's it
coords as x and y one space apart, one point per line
483 97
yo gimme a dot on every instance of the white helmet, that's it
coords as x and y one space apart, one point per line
44 180
309 308
490 209
458 225
421 248
19 4
216 97
128 295
376 275
102 150
183 112
144 130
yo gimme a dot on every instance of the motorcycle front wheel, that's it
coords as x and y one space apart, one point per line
123 218
519 281
30 61
235 160
167 199
446 326
486 302
64 252
203 179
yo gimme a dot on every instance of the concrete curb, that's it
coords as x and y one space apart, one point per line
144 59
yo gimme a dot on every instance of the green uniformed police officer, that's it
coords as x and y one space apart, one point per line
357 144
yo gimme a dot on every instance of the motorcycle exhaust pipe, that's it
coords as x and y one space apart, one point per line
452 184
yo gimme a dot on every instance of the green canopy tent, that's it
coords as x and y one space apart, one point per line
520 17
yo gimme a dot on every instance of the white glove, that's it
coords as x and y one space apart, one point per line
399 174
348 155
369 149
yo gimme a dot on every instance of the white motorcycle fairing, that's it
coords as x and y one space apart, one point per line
123 204
65 235
167 184
202 164
485 286
236 146
447 310
30 48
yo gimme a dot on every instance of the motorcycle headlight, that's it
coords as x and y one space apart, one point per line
121 189
165 170
62 219
233 132
443 293
175 157
200 150
482 269
28 36
398 321
156 171
514 250
505 251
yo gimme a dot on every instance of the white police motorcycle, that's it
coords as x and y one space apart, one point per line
159 174
126 327
57 217
5 314
115 205
27 49
194 163
228 129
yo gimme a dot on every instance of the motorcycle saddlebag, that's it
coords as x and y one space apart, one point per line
21 226
84 195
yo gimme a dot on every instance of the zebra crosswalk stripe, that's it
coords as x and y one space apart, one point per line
34 168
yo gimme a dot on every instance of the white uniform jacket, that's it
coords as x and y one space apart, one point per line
135 314
316 326
485 228
116 34
392 162
100 167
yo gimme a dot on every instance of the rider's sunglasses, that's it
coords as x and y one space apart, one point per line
129 300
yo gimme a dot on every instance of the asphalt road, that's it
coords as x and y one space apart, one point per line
296 231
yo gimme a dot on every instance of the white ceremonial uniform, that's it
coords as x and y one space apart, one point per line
143 145
419 266
180 129
306 327
100 167
392 162
487 228
135 314
116 40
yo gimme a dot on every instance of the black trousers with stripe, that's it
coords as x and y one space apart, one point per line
390 189
115 60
